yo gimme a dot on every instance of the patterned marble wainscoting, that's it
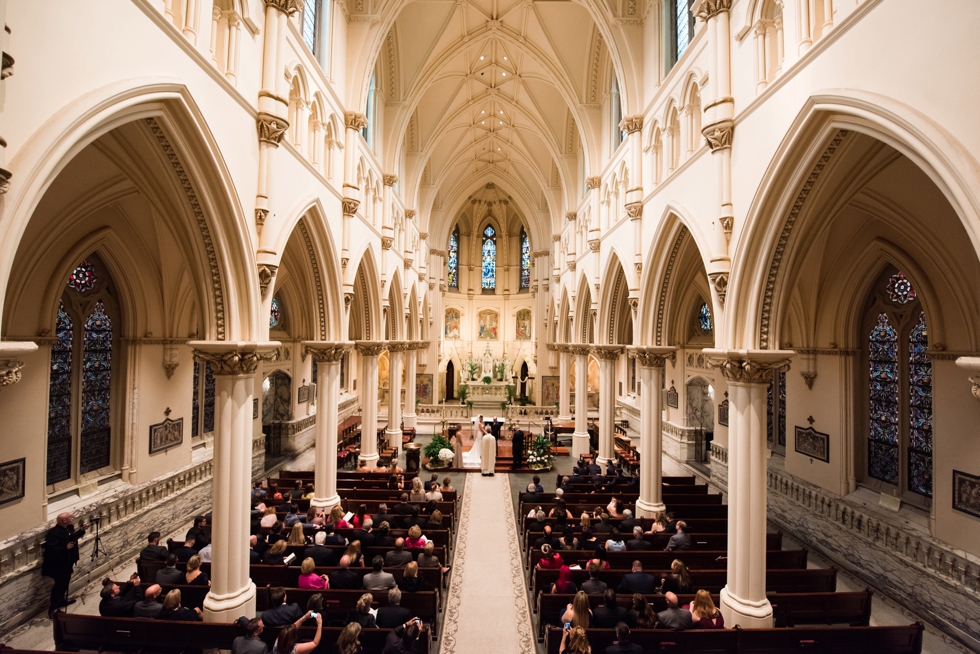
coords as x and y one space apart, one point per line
924 575
678 441
719 465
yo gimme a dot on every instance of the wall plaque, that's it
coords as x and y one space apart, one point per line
966 493
165 435
810 442
12 480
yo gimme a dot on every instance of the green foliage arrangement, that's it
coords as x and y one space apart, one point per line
438 443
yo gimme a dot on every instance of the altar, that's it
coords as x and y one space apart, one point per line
486 395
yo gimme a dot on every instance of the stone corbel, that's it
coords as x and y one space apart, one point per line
267 273
348 299
571 265
634 210
719 280
594 244
171 359
386 242
410 214
390 180
349 206
271 128
719 135
631 124
355 121
808 368
569 216
973 365
260 216
593 182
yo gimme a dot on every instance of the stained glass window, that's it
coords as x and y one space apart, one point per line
59 400
275 313
196 402
208 398
920 410
310 10
704 318
883 437
96 382
452 259
525 260
900 289
684 27
776 411
489 259
83 278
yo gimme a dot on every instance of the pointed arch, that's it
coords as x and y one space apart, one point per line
365 309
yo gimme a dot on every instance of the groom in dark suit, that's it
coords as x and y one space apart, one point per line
518 446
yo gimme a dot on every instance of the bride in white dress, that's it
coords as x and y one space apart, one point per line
472 459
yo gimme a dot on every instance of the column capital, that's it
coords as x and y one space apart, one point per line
410 214
634 210
707 9
631 124
235 357
972 364
329 351
355 121
271 128
349 206
10 366
749 366
400 346
569 216
578 349
719 135
606 352
370 348
288 7
593 182
653 356
390 180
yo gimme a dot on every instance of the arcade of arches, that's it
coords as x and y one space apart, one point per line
742 234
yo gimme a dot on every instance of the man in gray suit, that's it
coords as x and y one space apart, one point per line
378 579
250 643
170 575
680 540
398 557
674 618
149 606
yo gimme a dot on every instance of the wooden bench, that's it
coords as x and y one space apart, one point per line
699 541
700 559
685 512
817 580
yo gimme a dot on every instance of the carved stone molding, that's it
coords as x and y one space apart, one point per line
230 358
355 121
634 210
706 9
653 356
719 135
271 128
571 265
386 242
719 280
370 348
593 182
267 273
327 351
423 236
348 299
809 378
749 366
410 214
606 352
349 206
260 216
10 372
631 124
390 180
288 7
569 215
594 244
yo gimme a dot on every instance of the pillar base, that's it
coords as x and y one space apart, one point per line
394 439
326 503
603 461
745 613
410 420
563 418
231 607
370 460
649 509
580 444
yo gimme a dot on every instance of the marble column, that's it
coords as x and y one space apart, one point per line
748 372
411 360
607 356
651 360
368 392
235 364
394 430
564 384
328 356
580 438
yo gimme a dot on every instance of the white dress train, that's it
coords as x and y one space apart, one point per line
472 459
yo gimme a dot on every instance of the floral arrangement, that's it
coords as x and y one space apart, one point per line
445 455
540 457
433 451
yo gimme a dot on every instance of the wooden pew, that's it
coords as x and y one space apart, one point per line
423 604
685 512
700 559
846 640
817 580
699 541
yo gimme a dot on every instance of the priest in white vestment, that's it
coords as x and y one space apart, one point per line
489 445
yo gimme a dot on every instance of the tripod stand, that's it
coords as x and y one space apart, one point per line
98 549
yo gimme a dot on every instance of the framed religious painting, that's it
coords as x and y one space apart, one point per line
488 324
452 323
12 480
966 493
423 388
165 435
812 443
523 330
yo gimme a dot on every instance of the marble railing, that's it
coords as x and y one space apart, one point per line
927 576
453 412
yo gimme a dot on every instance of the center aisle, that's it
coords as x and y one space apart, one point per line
487 608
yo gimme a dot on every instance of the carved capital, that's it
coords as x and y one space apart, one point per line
234 358
654 356
726 224
288 7
410 214
408 263
719 280
556 237
355 121
390 180
571 265
634 210
593 182
348 298
569 215
10 372
606 352
719 135
369 348
267 273
423 236
327 351
634 304
639 266
349 206
594 244
271 128
631 124
707 9
809 378
386 242
749 366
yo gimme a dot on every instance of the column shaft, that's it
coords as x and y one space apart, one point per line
651 447
325 461
607 410
369 408
565 387
394 431
411 359
580 439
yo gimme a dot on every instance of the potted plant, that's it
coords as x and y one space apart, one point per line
540 457
499 369
487 379
462 394
503 406
439 453
472 367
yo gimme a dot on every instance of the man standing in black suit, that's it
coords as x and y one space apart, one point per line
60 557
517 444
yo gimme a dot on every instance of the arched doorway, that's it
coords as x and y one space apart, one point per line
524 375
450 381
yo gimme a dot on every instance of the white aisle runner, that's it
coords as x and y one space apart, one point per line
487 609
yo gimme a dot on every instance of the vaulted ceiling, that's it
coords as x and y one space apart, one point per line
502 91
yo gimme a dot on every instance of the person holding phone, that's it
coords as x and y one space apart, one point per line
60 557
286 642
574 641
403 638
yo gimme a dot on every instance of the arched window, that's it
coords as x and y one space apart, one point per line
525 260
311 24
452 259
275 314
202 424
616 114
369 112
899 383
489 258
79 392
681 22
776 413
704 322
